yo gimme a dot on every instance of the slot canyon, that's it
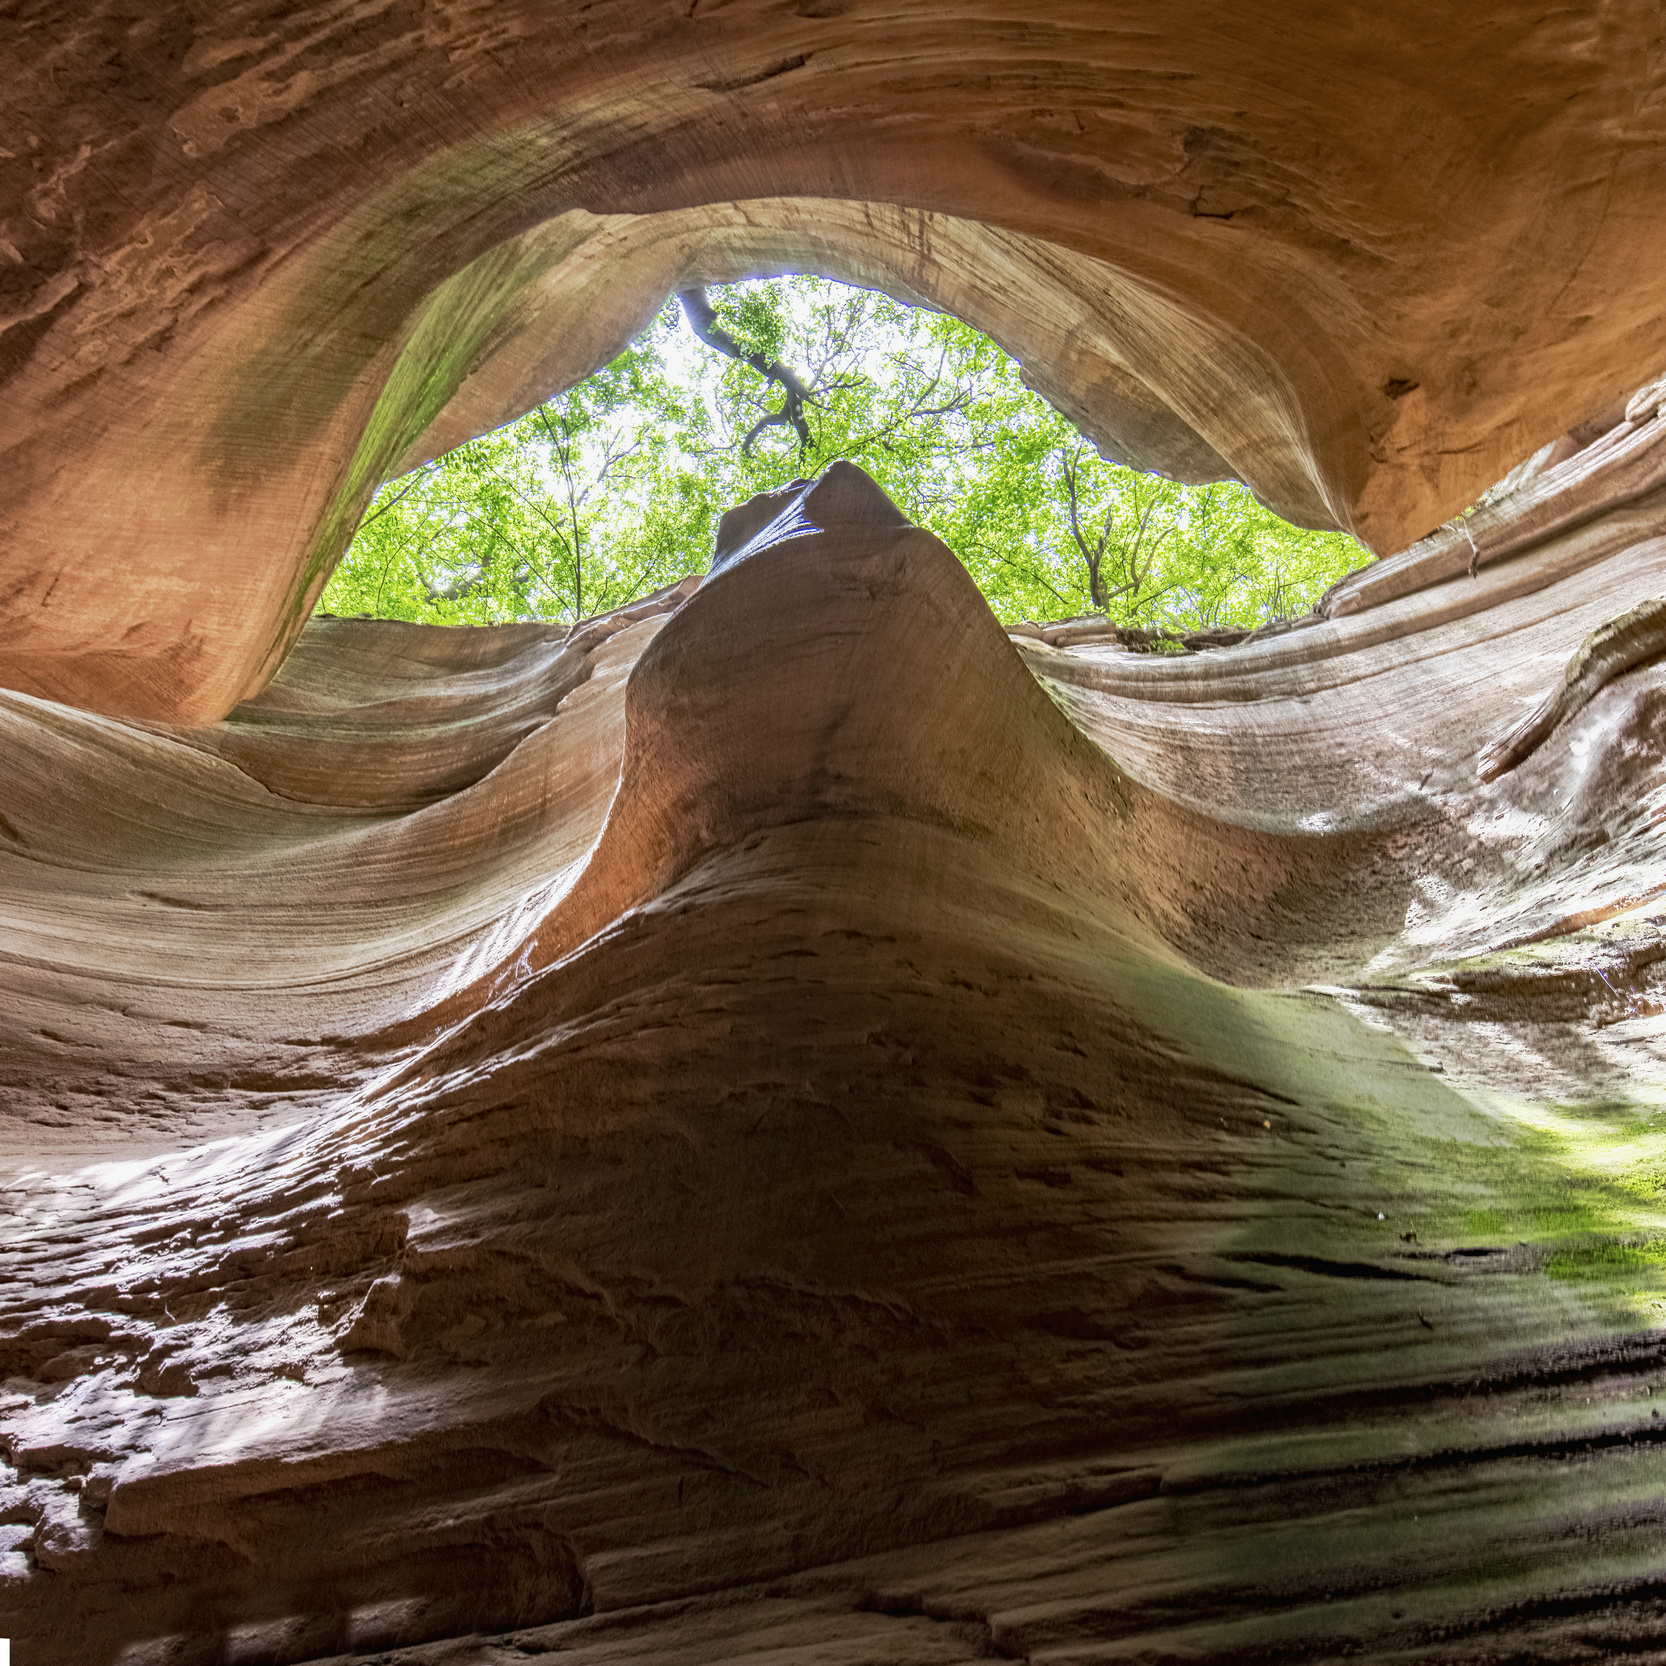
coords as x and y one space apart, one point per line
790 1122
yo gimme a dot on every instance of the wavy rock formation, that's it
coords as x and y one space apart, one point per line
791 1125
787 1123
1363 258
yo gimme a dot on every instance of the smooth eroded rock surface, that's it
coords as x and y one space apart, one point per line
1364 258
793 1126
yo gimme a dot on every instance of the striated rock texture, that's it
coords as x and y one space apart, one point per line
792 1126
253 257
788 1124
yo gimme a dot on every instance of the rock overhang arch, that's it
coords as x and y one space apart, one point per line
535 316
416 286
258 266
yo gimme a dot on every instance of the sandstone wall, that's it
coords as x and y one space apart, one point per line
788 1123
791 1125
1365 259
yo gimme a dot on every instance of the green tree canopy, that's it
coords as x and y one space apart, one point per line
614 487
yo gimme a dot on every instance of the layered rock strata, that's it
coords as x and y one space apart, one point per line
792 1125
1363 258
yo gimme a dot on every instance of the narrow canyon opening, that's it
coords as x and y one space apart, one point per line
615 1042
613 488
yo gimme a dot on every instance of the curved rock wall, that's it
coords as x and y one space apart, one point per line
787 1123
791 1125
1365 259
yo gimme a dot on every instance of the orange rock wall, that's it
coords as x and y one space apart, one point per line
1366 260
793 1122
787 1123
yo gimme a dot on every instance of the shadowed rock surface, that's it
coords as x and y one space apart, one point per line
793 1126
788 1123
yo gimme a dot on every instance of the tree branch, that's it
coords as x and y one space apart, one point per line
383 508
1093 557
702 320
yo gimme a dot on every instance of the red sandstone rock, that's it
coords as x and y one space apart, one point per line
787 1125
1364 259
760 1168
